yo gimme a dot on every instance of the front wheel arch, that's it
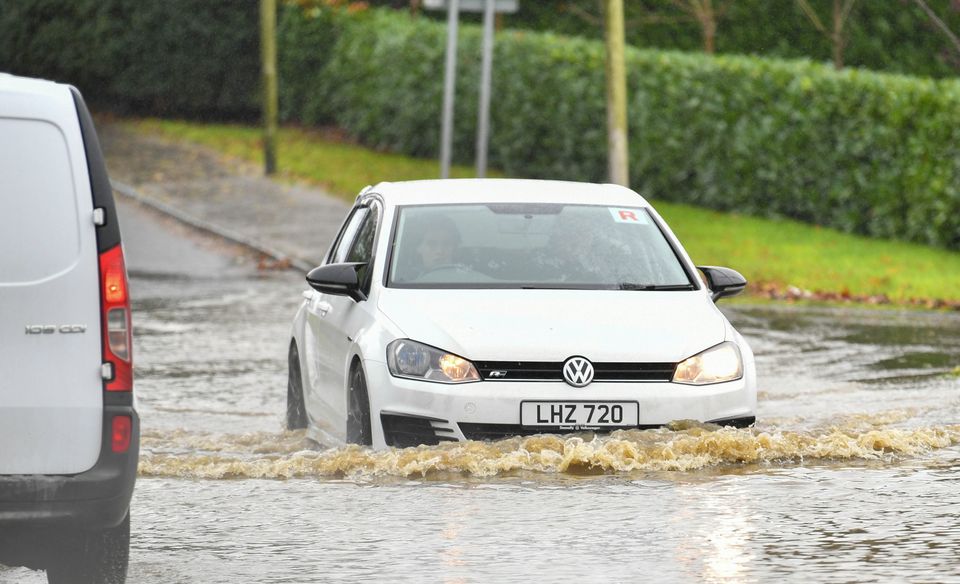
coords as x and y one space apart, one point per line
296 406
359 424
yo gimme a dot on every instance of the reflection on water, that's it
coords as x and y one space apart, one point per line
877 521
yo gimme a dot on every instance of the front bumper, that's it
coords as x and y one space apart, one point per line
464 411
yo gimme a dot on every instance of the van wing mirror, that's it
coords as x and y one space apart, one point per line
339 279
723 282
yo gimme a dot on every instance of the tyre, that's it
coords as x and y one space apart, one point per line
296 411
358 414
92 557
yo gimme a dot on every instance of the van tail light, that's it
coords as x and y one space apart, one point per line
115 311
120 433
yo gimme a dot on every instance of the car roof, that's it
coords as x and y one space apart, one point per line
497 190
29 86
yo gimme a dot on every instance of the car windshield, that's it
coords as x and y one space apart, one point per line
532 245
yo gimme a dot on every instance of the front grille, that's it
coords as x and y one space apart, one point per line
520 370
404 431
553 371
633 371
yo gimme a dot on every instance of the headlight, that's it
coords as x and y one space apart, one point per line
407 358
715 365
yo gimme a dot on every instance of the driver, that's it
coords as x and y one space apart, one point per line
436 244
582 246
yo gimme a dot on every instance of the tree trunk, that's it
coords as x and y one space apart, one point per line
837 37
268 56
708 22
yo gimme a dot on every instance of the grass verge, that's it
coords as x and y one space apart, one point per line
315 156
775 253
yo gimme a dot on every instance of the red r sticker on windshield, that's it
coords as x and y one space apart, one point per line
635 216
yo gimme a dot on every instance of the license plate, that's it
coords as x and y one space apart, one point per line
579 415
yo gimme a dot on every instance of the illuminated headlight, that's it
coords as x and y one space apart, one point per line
715 365
407 358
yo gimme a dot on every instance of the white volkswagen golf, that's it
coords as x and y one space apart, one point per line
482 309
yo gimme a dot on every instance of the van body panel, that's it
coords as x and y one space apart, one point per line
51 392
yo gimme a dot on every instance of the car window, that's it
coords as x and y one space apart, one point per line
347 234
363 245
522 245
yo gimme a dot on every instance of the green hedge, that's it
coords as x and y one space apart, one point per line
864 152
169 57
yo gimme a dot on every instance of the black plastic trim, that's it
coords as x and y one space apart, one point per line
96 498
414 416
741 422
108 234
375 205
604 372
404 431
476 431
391 247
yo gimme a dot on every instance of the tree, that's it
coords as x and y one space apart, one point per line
268 56
954 56
837 34
706 13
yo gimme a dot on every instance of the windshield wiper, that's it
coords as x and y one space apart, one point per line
654 287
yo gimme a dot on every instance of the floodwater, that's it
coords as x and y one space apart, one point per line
852 474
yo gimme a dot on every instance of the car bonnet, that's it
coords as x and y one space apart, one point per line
551 325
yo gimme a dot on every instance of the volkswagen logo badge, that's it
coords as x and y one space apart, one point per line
577 371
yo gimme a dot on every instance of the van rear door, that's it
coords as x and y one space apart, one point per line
51 389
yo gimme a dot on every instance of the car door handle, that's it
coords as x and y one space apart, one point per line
322 308
308 294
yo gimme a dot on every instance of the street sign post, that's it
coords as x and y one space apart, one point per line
486 75
453 8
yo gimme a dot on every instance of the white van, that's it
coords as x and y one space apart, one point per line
69 433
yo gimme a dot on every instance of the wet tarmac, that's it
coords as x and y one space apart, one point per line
852 473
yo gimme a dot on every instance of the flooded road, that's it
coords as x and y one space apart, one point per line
852 473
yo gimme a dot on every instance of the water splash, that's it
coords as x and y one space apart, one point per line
682 447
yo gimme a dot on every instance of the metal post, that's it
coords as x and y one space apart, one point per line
483 123
449 81
268 55
616 94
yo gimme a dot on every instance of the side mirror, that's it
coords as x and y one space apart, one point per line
723 282
338 279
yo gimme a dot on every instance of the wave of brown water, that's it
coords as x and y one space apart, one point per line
682 447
